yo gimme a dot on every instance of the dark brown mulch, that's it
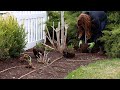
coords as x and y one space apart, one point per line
57 70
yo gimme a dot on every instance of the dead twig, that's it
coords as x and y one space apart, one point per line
48 46
39 68
27 53
49 37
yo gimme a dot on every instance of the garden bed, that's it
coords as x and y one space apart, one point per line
57 69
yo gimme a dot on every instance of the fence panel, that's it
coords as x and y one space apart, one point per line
34 24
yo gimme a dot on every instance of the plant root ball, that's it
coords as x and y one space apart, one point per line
76 48
69 53
84 48
37 50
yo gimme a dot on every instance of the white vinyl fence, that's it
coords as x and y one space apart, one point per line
34 24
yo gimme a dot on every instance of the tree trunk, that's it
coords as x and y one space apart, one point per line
62 31
58 37
61 34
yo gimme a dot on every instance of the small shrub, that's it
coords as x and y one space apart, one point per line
111 36
112 42
113 17
12 37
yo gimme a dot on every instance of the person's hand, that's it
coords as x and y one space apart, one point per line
80 42
91 45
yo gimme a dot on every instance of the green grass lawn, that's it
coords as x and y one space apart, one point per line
104 69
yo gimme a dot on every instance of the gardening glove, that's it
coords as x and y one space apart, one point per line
91 45
80 42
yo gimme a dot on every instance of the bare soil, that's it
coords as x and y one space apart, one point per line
56 69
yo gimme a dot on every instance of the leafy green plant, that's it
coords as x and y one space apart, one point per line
71 18
113 17
111 37
12 37
112 42
70 46
39 45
